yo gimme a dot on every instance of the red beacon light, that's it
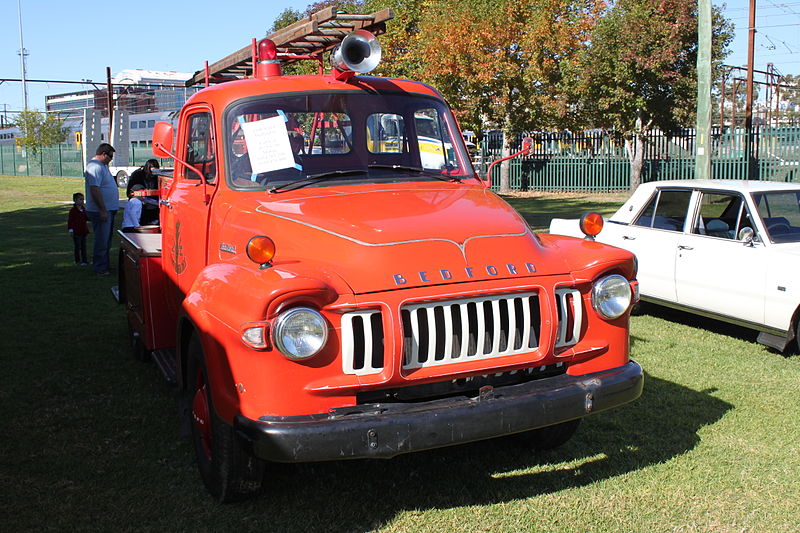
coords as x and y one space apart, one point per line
268 64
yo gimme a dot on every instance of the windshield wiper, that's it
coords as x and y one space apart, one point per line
306 180
423 171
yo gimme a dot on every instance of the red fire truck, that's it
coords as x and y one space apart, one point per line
330 279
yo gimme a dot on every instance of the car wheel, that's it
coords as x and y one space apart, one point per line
797 335
122 179
228 470
549 437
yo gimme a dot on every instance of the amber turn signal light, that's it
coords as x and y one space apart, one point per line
591 224
261 249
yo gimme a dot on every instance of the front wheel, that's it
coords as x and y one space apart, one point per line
228 470
549 437
122 179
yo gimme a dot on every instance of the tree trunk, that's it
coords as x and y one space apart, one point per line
635 148
505 166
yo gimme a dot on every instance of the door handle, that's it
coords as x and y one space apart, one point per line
684 247
165 203
628 238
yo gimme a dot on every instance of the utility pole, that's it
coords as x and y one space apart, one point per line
748 111
110 91
702 165
22 54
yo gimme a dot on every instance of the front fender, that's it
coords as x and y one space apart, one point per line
224 298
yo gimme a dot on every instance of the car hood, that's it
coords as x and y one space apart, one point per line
791 248
401 236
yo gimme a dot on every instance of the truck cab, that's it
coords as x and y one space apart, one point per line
333 280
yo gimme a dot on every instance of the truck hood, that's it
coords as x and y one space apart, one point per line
401 236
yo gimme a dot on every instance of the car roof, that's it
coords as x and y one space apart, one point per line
630 209
730 185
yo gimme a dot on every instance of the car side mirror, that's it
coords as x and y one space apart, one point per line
747 235
163 134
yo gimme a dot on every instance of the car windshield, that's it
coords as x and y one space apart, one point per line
284 142
780 212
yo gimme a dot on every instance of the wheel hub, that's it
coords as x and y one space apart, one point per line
201 419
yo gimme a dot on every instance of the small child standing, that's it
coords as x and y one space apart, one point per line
77 224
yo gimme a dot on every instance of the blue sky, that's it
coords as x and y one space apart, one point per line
78 39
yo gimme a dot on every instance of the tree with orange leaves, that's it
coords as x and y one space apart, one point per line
498 62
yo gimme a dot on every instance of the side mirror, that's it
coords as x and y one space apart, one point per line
527 145
747 235
163 134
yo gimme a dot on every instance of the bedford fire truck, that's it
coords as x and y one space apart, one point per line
328 281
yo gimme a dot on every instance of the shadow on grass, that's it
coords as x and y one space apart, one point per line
362 495
538 211
697 321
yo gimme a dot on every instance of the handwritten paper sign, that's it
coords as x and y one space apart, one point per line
268 145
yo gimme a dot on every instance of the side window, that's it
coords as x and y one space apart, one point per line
435 147
200 147
666 210
720 215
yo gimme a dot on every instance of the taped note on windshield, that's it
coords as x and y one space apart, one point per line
268 144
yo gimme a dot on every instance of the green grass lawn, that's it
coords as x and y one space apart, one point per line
90 436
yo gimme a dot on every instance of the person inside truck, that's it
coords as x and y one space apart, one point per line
145 177
132 216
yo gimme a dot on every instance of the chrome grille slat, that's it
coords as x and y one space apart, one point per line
431 334
526 319
462 309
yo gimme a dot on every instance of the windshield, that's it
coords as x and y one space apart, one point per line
289 141
780 212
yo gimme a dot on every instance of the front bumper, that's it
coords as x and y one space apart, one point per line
383 430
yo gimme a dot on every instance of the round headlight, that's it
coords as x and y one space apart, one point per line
300 333
611 296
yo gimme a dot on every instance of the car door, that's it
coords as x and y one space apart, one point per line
187 207
715 271
653 237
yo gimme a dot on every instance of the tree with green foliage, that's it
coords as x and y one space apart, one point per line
39 129
639 71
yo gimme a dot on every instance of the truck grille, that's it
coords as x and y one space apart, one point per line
441 333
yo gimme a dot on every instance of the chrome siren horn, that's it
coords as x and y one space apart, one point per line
358 52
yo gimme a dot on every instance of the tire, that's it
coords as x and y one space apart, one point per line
797 335
549 437
229 471
122 179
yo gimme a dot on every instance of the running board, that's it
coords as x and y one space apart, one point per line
165 360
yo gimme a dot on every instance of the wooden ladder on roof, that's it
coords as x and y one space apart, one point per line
311 36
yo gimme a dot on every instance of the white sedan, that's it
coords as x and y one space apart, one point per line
724 249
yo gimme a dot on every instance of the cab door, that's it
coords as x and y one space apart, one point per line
187 208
